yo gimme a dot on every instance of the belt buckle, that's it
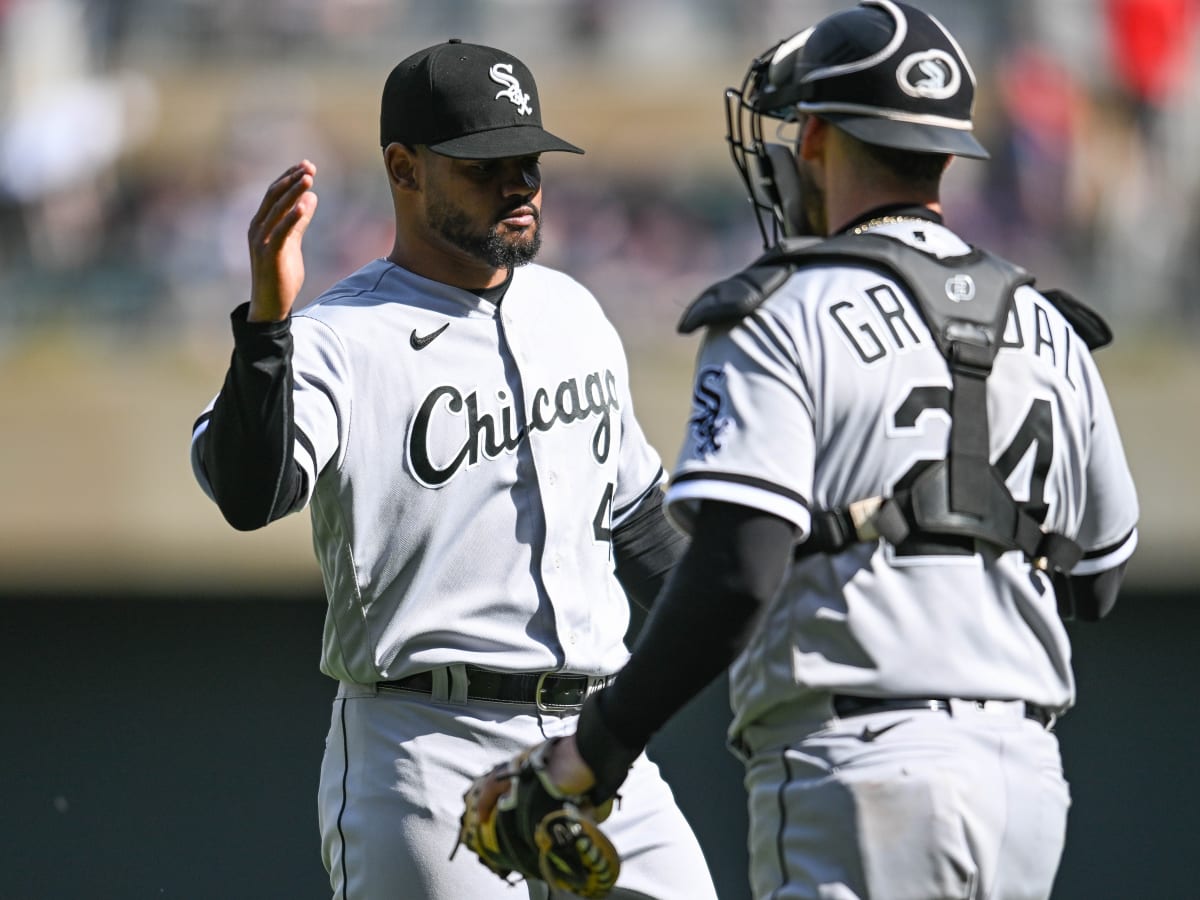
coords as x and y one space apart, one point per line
591 684
539 695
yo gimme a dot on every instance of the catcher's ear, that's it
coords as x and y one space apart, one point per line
811 143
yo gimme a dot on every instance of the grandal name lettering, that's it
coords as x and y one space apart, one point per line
878 323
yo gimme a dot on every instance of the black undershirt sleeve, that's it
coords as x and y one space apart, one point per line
1089 598
645 549
248 448
710 607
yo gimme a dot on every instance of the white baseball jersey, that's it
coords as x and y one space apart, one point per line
465 463
832 391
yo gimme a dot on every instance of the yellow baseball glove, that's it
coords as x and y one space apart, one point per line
517 821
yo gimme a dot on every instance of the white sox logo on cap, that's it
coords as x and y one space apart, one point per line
501 73
441 97
932 74
884 72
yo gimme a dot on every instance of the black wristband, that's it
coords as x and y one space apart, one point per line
607 757
259 338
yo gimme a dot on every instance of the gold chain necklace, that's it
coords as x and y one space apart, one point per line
885 220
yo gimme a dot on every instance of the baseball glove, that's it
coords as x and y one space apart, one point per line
516 820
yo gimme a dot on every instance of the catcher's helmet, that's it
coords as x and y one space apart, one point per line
884 72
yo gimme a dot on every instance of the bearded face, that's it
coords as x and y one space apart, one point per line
487 239
812 200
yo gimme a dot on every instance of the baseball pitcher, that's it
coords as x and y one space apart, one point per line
458 422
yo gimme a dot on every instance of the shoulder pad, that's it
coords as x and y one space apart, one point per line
736 297
1088 323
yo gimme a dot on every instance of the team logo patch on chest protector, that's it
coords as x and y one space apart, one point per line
451 431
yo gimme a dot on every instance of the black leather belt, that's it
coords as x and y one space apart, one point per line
845 705
550 691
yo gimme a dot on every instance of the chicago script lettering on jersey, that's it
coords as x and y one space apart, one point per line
486 435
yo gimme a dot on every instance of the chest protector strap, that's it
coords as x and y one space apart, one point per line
965 302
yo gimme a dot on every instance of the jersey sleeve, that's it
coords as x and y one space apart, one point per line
1108 532
750 436
293 386
641 468
322 399
242 445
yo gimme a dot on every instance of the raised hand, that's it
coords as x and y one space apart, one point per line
275 233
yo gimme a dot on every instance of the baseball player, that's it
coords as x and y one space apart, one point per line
484 503
902 470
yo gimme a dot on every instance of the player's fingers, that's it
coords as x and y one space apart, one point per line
274 237
284 204
281 184
305 207
281 197
300 169
291 225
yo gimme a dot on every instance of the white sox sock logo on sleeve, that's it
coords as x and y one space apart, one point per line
706 421
501 73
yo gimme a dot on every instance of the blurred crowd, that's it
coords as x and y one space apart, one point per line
1088 106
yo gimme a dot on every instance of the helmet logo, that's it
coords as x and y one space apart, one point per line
960 288
930 74
501 73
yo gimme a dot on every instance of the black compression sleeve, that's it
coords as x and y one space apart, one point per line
1089 597
709 609
646 548
247 449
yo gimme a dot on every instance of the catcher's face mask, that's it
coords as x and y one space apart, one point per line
884 72
768 166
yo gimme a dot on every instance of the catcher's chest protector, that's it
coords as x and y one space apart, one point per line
965 302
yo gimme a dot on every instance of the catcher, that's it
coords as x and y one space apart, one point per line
902 473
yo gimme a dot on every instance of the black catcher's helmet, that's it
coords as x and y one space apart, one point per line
884 72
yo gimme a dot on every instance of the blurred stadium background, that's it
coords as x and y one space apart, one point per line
156 661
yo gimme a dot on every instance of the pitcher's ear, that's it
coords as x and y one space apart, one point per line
401 161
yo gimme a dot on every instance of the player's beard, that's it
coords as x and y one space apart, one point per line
497 245
812 201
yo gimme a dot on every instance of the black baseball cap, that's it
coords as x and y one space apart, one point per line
466 101
884 72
